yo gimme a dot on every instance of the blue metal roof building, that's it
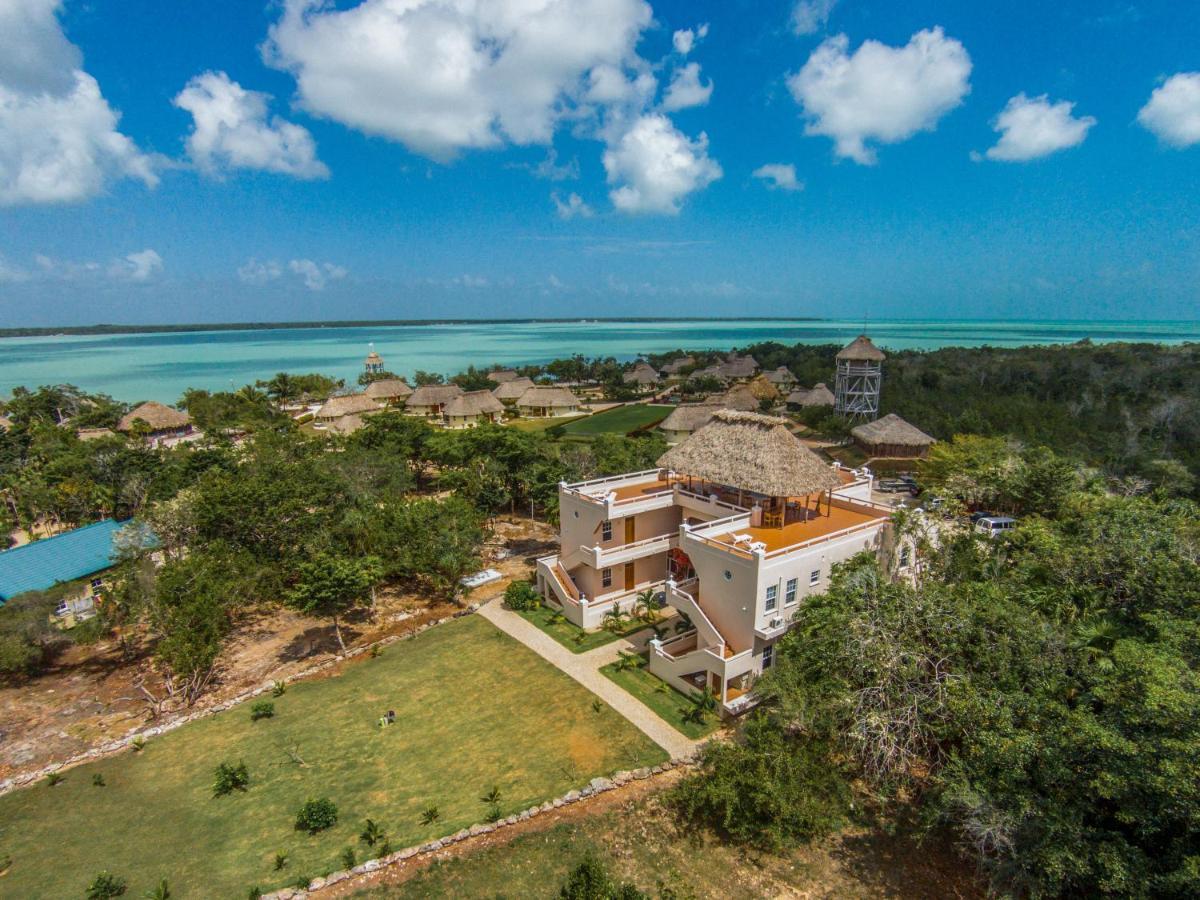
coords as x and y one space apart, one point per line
74 554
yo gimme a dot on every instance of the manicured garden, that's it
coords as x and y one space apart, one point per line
474 711
676 709
619 420
571 636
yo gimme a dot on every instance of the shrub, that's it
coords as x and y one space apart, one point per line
137 744
371 833
255 893
280 861
521 596
54 778
278 689
229 778
376 651
161 891
590 880
349 858
317 815
263 709
5 863
430 815
98 780
105 886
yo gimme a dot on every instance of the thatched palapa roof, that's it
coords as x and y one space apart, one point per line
739 397
781 376
761 388
512 390
537 396
500 376
388 389
891 429
679 362
689 417
350 404
5 423
820 395
861 349
752 452
474 403
739 366
433 395
94 434
642 373
157 416
347 424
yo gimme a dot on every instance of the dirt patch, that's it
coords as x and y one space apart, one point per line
90 695
585 754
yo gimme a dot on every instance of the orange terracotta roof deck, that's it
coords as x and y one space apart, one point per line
841 516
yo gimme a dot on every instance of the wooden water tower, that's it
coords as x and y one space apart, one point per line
374 362
859 377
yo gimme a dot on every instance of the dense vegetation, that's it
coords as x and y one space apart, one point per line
1036 695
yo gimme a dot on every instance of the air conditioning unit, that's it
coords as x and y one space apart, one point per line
776 623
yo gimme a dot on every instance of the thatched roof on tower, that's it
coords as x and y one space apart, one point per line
752 452
157 416
893 430
861 349
388 389
474 403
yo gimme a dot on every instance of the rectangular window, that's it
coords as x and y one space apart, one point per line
768 656
606 531
904 556
606 577
814 576
789 595
97 583
772 597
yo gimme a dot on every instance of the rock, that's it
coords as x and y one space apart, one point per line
601 784
406 853
557 803
317 883
336 877
432 846
523 816
461 835
546 807
571 796
657 770
511 820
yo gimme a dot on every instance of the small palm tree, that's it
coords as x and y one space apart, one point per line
430 815
371 833
646 607
702 706
613 621
492 797
161 891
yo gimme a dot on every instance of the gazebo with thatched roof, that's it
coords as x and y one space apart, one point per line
161 421
892 436
756 454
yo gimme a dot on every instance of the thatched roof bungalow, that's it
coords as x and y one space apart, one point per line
643 375
509 392
501 376
782 377
165 425
738 368
430 400
541 402
390 391
472 408
819 395
678 363
347 405
739 397
686 419
891 436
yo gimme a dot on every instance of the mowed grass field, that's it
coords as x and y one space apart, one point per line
619 420
474 709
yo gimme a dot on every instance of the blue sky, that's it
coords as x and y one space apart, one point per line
298 160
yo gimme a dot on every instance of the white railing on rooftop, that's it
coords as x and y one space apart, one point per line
631 477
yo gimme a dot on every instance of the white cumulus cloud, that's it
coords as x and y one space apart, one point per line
654 166
316 275
255 272
880 93
1032 127
441 76
779 176
686 89
573 206
59 141
685 39
810 16
1173 111
231 130
140 266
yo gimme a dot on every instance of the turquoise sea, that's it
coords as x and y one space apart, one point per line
134 367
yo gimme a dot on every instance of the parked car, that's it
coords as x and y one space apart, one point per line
896 486
981 514
994 526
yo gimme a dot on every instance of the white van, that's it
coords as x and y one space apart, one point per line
993 526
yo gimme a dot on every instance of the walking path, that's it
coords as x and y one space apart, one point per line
585 668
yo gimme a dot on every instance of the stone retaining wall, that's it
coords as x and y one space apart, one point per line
595 786
144 734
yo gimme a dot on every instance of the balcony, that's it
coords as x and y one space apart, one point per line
608 557
625 495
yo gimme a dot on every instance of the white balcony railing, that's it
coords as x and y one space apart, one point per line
607 557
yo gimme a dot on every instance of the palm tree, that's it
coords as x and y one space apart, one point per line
646 607
492 797
684 624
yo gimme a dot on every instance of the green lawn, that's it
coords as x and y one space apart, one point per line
474 709
542 424
619 420
572 636
671 706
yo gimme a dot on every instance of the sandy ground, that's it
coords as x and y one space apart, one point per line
90 695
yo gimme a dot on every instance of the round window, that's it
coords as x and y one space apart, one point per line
728 575
577 514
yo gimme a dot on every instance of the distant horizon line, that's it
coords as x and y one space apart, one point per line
192 327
